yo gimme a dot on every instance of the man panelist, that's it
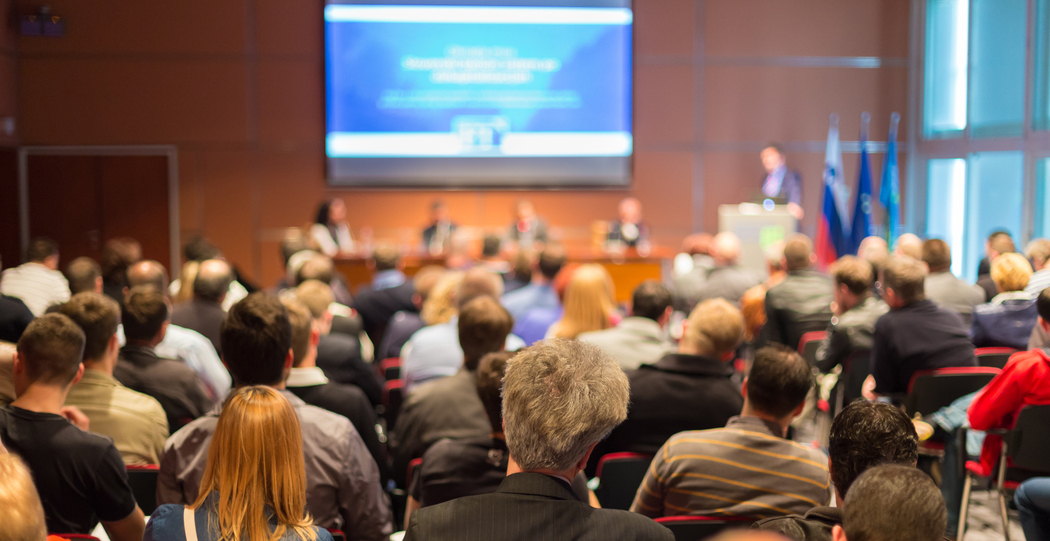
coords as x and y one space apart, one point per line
781 181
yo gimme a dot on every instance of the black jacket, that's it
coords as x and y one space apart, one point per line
799 304
376 306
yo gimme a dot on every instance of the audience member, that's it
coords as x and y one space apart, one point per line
1007 320
79 475
1033 507
863 435
14 318
942 287
540 293
342 481
315 266
492 259
915 334
874 250
450 407
186 345
1038 252
528 229
855 310
753 302
440 306
690 270
434 352
204 312
560 398
520 273
802 302
589 303
641 337
748 468
908 245
437 237
20 510
134 421
892 503
727 280
309 383
254 483
117 255
388 293
37 282
984 267
628 230
330 233
688 390
998 244
175 385
405 323
84 274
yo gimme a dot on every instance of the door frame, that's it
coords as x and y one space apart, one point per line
170 151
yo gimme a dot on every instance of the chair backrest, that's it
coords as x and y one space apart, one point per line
809 343
695 528
390 368
393 396
1027 443
337 535
413 464
994 357
84 536
143 481
619 475
931 390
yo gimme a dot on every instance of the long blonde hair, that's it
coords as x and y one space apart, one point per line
186 278
589 304
440 305
255 461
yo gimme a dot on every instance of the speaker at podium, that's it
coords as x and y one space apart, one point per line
758 225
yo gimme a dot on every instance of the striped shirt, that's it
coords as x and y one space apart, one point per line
1038 282
745 469
37 286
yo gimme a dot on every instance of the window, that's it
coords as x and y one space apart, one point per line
1041 85
946 204
997 67
995 201
947 22
1042 198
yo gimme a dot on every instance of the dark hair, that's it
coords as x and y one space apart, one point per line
98 316
894 503
854 273
213 280
489 381
199 248
998 233
477 282
255 339
490 246
82 274
937 254
551 260
779 381
1042 304
144 312
323 211
797 252
483 328
522 266
52 347
117 255
865 434
650 300
148 273
41 248
386 256
319 267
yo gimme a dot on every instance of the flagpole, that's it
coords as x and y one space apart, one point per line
895 119
865 121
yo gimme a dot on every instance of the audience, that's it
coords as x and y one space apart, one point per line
999 243
727 280
1007 320
874 250
802 302
1034 508
560 398
589 303
984 267
690 270
204 312
748 468
540 293
135 422
20 510
79 475
405 323
117 256
83 275
915 334
492 259
855 309
863 435
1038 252
450 407
37 282
942 287
892 503
342 481
520 273
388 293
641 337
175 385
254 482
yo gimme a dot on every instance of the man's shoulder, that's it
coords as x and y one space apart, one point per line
197 430
319 423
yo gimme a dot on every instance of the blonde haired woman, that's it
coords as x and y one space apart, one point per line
440 306
254 487
589 304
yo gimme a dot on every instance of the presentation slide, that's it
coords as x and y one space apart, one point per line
478 95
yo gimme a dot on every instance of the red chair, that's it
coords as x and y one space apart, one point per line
337 535
393 396
76 536
994 357
619 476
931 390
697 527
808 344
411 470
390 368
143 481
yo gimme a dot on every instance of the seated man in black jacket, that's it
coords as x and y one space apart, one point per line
802 302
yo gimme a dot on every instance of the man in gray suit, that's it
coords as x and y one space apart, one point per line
641 337
560 398
728 280
944 288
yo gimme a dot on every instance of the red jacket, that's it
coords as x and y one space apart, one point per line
1025 381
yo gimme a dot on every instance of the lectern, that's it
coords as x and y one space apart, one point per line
758 226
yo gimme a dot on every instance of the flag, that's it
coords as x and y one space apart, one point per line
863 225
832 238
890 189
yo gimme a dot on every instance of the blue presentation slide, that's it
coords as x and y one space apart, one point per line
477 81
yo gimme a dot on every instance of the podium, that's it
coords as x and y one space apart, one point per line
758 226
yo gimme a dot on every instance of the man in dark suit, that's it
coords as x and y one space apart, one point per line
204 312
560 398
802 302
388 293
527 229
437 238
781 181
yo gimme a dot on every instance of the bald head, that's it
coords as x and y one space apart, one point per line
873 249
148 273
213 280
909 245
726 248
478 282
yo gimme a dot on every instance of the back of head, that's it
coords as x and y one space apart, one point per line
292 244
551 260
778 382
726 248
148 273
1038 250
937 255
798 253
117 255
909 245
144 312
483 328
425 280
1002 243
476 283
255 462
213 280
318 267
854 273
98 316
865 434
386 256
874 250
650 300
21 513
1042 304
588 301
82 273
440 305
490 246
521 265
489 381
906 277
774 256
559 398
301 322
41 248
199 248
697 244
1011 272
316 295
255 339
894 503
714 328
52 347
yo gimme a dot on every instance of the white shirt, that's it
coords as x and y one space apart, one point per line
37 286
306 377
192 348
332 246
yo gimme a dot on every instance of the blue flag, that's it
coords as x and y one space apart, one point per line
863 225
890 190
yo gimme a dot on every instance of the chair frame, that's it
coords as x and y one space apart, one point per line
617 456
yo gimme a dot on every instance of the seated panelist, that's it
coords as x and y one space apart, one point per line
629 229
